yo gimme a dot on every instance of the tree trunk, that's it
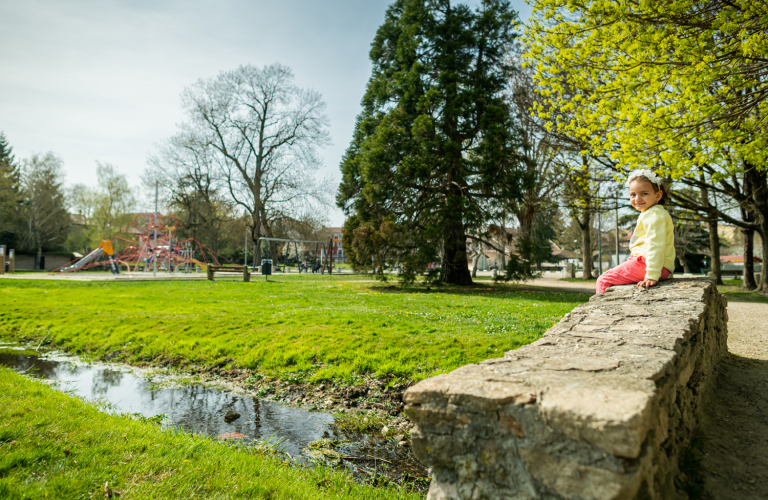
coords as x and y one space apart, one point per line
525 246
455 268
455 262
258 253
381 262
714 238
684 262
748 282
714 249
475 260
748 279
39 258
762 285
586 255
756 189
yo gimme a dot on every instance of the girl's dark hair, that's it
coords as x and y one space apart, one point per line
656 188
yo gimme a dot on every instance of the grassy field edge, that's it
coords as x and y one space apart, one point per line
298 330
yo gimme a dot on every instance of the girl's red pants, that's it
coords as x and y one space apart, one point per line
632 271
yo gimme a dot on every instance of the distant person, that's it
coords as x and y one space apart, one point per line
653 242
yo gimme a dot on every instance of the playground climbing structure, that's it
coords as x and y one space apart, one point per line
159 243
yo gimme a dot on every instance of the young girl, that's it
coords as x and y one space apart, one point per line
653 243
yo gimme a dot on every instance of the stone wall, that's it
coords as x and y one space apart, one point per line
601 407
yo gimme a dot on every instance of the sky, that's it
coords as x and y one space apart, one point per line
100 80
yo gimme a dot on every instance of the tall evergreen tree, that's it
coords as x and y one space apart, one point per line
434 146
9 193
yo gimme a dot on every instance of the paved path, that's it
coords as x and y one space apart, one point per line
161 276
586 287
748 329
734 426
98 276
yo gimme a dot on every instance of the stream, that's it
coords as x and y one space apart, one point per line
200 409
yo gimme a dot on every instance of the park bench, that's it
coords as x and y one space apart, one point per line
737 271
212 270
737 274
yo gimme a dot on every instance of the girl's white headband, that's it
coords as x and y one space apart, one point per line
644 173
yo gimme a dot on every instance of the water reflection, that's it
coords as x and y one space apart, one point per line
195 408
201 410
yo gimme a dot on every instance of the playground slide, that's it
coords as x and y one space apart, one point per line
87 259
203 265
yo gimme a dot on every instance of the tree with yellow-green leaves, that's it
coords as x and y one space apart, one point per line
680 86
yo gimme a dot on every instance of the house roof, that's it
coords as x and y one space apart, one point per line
564 254
77 219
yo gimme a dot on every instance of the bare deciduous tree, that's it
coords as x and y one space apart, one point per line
542 153
261 133
188 182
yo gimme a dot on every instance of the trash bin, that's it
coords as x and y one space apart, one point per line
569 270
266 267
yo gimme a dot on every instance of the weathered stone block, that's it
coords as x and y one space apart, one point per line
601 407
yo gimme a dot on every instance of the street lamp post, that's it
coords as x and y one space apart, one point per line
245 248
576 242
154 234
600 241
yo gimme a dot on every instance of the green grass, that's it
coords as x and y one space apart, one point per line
309 327
43 455
359 421
735 293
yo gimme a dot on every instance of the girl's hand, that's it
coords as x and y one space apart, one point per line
647 283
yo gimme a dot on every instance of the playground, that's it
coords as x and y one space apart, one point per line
162 249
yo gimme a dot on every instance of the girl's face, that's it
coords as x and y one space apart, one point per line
642 196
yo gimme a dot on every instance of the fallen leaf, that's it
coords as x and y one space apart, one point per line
67 452
231 435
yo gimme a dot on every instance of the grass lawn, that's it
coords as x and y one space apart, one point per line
90 454
309 327
735 293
